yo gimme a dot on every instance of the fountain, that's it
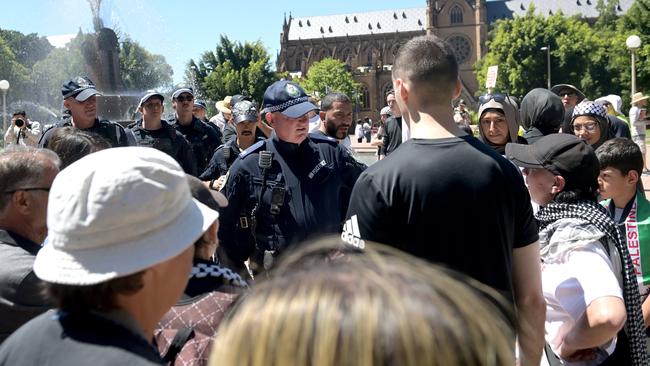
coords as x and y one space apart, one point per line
101 53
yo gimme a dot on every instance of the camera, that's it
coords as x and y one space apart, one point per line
19 122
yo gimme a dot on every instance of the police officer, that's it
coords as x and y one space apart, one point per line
202 138
245 118
151 131
286 188
80 99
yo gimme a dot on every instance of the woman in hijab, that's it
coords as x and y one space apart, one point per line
498 122
589 123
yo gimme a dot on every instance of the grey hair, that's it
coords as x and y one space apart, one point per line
22 166
328 100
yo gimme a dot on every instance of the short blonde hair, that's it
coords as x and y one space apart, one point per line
376 307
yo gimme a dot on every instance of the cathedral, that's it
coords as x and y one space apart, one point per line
367 42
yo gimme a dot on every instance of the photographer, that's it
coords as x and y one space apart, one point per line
22 131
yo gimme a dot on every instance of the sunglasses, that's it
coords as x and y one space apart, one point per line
497 97
46 189
185 99
589 126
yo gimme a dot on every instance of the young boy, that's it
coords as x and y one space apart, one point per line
621 164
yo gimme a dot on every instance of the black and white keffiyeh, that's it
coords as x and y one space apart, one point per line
599 217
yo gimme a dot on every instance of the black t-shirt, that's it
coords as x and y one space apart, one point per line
453 200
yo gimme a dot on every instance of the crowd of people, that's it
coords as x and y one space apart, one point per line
258 237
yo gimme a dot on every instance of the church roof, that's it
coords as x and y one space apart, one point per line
414 19
586 8
354 24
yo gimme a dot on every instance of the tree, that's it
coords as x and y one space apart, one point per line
328 75
579 54
233 68
635 21
142 70
29 48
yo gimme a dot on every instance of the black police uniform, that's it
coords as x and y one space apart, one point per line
111 131
222 160
304 192
167 140
203 139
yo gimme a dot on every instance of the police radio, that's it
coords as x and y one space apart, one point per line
265 159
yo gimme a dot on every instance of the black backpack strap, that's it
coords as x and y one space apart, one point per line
175 347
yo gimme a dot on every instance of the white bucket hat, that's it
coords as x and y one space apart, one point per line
117 212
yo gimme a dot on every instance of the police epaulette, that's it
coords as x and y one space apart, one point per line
318 137
254 148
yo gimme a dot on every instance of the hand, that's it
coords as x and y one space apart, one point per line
575 355
218 184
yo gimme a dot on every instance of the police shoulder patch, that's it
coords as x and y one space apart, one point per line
254 148
318 137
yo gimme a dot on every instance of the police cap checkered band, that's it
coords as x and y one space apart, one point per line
285 105
287 98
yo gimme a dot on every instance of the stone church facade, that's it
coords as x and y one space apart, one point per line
368 42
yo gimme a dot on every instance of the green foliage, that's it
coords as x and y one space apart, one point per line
594 58
142 70
328 75
233 68
36 70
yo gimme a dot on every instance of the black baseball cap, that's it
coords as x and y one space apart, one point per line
561 154
287 98
81 88
244 111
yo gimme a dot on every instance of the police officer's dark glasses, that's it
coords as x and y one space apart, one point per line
46 189
497 97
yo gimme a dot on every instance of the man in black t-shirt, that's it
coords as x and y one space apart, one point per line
446 197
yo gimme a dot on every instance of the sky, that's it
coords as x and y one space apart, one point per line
180 30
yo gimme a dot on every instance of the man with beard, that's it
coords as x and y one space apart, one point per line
336 118
245 118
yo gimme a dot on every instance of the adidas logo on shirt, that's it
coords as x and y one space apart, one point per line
351 234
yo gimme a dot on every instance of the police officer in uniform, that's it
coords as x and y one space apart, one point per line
151 131
80 99
284 189
203 139
245 118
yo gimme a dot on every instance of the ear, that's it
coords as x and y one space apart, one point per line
401 89
21 202
140 109
457 88
66 103
558 185
269 118
632 177
321 114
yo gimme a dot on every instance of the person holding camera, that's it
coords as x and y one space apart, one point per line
22 131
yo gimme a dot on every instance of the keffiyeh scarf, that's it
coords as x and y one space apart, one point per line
598 216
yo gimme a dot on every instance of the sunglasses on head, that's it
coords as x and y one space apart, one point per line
497 97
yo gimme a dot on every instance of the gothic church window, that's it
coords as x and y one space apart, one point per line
462 48
456 15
